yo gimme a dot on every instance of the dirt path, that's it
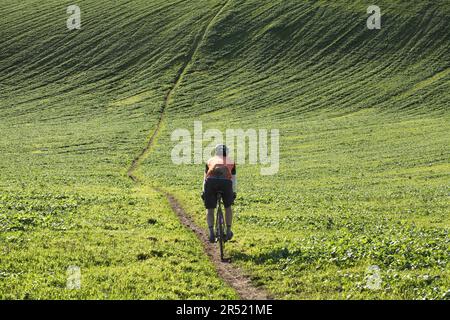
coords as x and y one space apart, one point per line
227 271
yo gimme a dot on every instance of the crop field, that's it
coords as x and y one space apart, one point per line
364 172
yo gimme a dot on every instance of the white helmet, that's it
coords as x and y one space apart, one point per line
221 150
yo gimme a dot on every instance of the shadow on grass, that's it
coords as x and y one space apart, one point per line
274 256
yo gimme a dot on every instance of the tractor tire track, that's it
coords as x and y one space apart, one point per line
231 274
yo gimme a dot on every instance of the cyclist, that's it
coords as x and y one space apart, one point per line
220 176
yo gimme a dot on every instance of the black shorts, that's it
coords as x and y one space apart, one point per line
212 186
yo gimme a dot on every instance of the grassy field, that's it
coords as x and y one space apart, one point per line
364 160
76 108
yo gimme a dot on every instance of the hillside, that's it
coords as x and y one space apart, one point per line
363 117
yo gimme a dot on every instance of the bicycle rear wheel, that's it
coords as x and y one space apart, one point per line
220 230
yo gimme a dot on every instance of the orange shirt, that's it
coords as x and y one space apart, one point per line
220 167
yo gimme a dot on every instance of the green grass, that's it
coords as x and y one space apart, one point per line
364 160
76 108
359 190
128 245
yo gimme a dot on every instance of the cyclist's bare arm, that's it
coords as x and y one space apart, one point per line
204 176
234 179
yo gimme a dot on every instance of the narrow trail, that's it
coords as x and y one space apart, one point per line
227 271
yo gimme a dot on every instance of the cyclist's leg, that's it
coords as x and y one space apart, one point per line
228 201
210 205
229 217
210 221
210 218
